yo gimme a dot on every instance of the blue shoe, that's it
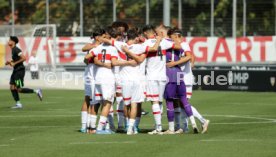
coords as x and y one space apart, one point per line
126 128
136 130
110 131
83 130
186 130
103 132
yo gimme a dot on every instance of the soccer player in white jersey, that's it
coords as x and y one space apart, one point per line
115 41
105 79
135 51
176 35
86 116
156 73
132 89
90 83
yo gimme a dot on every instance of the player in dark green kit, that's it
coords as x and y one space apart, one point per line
17 77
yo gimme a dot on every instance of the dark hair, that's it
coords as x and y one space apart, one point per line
112 31
174 31
117 24
14 38
132 34
97 32
148 28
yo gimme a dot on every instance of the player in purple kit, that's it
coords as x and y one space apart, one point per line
175 88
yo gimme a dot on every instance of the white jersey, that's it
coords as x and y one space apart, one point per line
90 70
186 67
104 53
156 61
118 45
130 72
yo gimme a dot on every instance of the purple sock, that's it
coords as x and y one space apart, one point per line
186 105
170 110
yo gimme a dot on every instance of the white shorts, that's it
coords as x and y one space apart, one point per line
89 90
155 90
118 83
144 84
105 92
132 92
189 91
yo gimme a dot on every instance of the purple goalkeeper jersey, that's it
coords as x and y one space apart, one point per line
174 55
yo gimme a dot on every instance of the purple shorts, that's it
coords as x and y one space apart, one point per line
174 90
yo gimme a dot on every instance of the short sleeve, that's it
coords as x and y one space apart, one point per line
118 45
185 46
94 51
18 52
142 49
166 44
114 53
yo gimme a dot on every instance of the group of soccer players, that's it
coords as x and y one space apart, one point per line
132 66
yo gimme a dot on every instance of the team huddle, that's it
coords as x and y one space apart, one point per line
132 66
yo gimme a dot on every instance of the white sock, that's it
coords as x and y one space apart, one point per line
93 121
101 123
107 126
184 119
131 124
120 112
83 119
192 119
161 107
177 117
171 126
137 121
157 116
88 120
198 115
111 118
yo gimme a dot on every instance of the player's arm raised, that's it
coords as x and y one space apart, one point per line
107 41
138 58
22 59
180 61
155 46
88 47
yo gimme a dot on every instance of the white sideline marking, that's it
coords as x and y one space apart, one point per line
31 116
27 127
237 116
111 142
230 140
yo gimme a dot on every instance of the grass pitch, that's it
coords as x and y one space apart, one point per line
242 124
